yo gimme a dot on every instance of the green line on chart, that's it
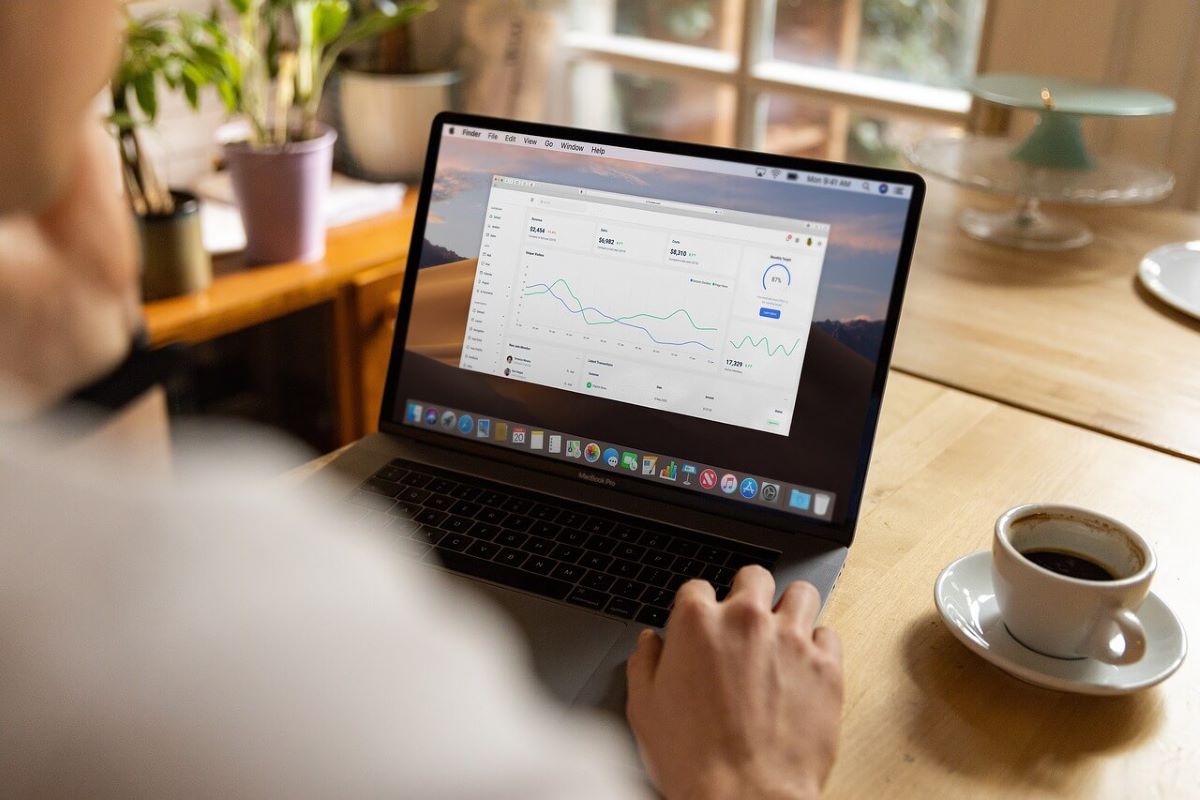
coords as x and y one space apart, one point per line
608 320
771 351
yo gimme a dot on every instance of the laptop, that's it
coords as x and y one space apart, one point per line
623 363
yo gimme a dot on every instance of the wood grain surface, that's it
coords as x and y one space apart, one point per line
1072 335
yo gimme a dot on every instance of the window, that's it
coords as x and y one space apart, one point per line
844 79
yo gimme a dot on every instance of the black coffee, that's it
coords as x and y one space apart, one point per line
1072 565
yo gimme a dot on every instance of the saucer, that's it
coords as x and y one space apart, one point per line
964 597
1172 274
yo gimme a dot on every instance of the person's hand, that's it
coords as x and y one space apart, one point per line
742 700
68 284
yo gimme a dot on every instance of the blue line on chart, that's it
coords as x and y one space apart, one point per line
583 309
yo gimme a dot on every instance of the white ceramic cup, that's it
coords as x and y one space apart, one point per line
1067 617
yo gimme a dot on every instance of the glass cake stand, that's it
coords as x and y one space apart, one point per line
986 163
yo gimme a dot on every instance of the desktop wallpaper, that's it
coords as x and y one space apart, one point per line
833 399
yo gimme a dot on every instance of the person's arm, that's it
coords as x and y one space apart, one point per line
742 699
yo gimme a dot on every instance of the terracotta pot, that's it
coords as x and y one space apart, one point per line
174 260
281 192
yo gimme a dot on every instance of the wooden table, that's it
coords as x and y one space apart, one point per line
1071 335
927 718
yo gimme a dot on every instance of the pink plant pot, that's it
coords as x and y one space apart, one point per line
281 192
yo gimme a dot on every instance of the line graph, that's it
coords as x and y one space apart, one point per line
602 318
772 350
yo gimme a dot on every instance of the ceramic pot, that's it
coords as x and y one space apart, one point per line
385 120
281 192
174 261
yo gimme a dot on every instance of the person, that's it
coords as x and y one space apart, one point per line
212 633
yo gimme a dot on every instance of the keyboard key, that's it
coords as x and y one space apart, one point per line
440 485
390 473
511 538
492 516
655 596
626 533
414 495
655 540
385 488
547 529
675 581
682 547
568 572
405 509
631 552
429 535
565 552
657 558
625 569
517 505
481 530
588 598
655 617
371 500
572 536
416 479
571 519
622 607
543 512
505 575
516 522
601 544
718 576
483 549
465 492
466 508
489 497
654 576
456 524
627 588
456 542
689 566
430 516
598 525
538 546
713 555
439 501
540 564
598 581
512 558
595 560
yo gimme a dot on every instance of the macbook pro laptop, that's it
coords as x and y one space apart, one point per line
622 363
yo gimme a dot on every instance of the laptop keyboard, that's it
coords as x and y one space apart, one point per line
619 565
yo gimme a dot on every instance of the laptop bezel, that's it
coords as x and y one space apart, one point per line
778 520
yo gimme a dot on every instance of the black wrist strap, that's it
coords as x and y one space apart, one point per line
142 369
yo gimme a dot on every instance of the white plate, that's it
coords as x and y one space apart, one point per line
965 600
1172 274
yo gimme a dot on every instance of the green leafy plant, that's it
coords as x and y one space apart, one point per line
297 43
183 51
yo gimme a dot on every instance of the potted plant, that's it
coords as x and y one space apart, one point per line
185 52
284 52
388 94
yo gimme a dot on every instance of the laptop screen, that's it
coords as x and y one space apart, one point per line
705 325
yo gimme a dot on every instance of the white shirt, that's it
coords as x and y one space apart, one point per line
219 635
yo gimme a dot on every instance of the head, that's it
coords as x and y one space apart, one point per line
55 58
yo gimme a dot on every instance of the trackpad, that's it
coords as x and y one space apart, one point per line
567 643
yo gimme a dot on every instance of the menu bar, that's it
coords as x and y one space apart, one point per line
623 460
762 172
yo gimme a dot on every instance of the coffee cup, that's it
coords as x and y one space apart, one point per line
1069 582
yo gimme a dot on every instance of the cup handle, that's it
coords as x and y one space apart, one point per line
1131 631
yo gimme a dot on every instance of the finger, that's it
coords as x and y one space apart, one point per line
643 664
800 605
828 640
696 591
754 583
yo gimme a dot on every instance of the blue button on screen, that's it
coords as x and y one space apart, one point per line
769 313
